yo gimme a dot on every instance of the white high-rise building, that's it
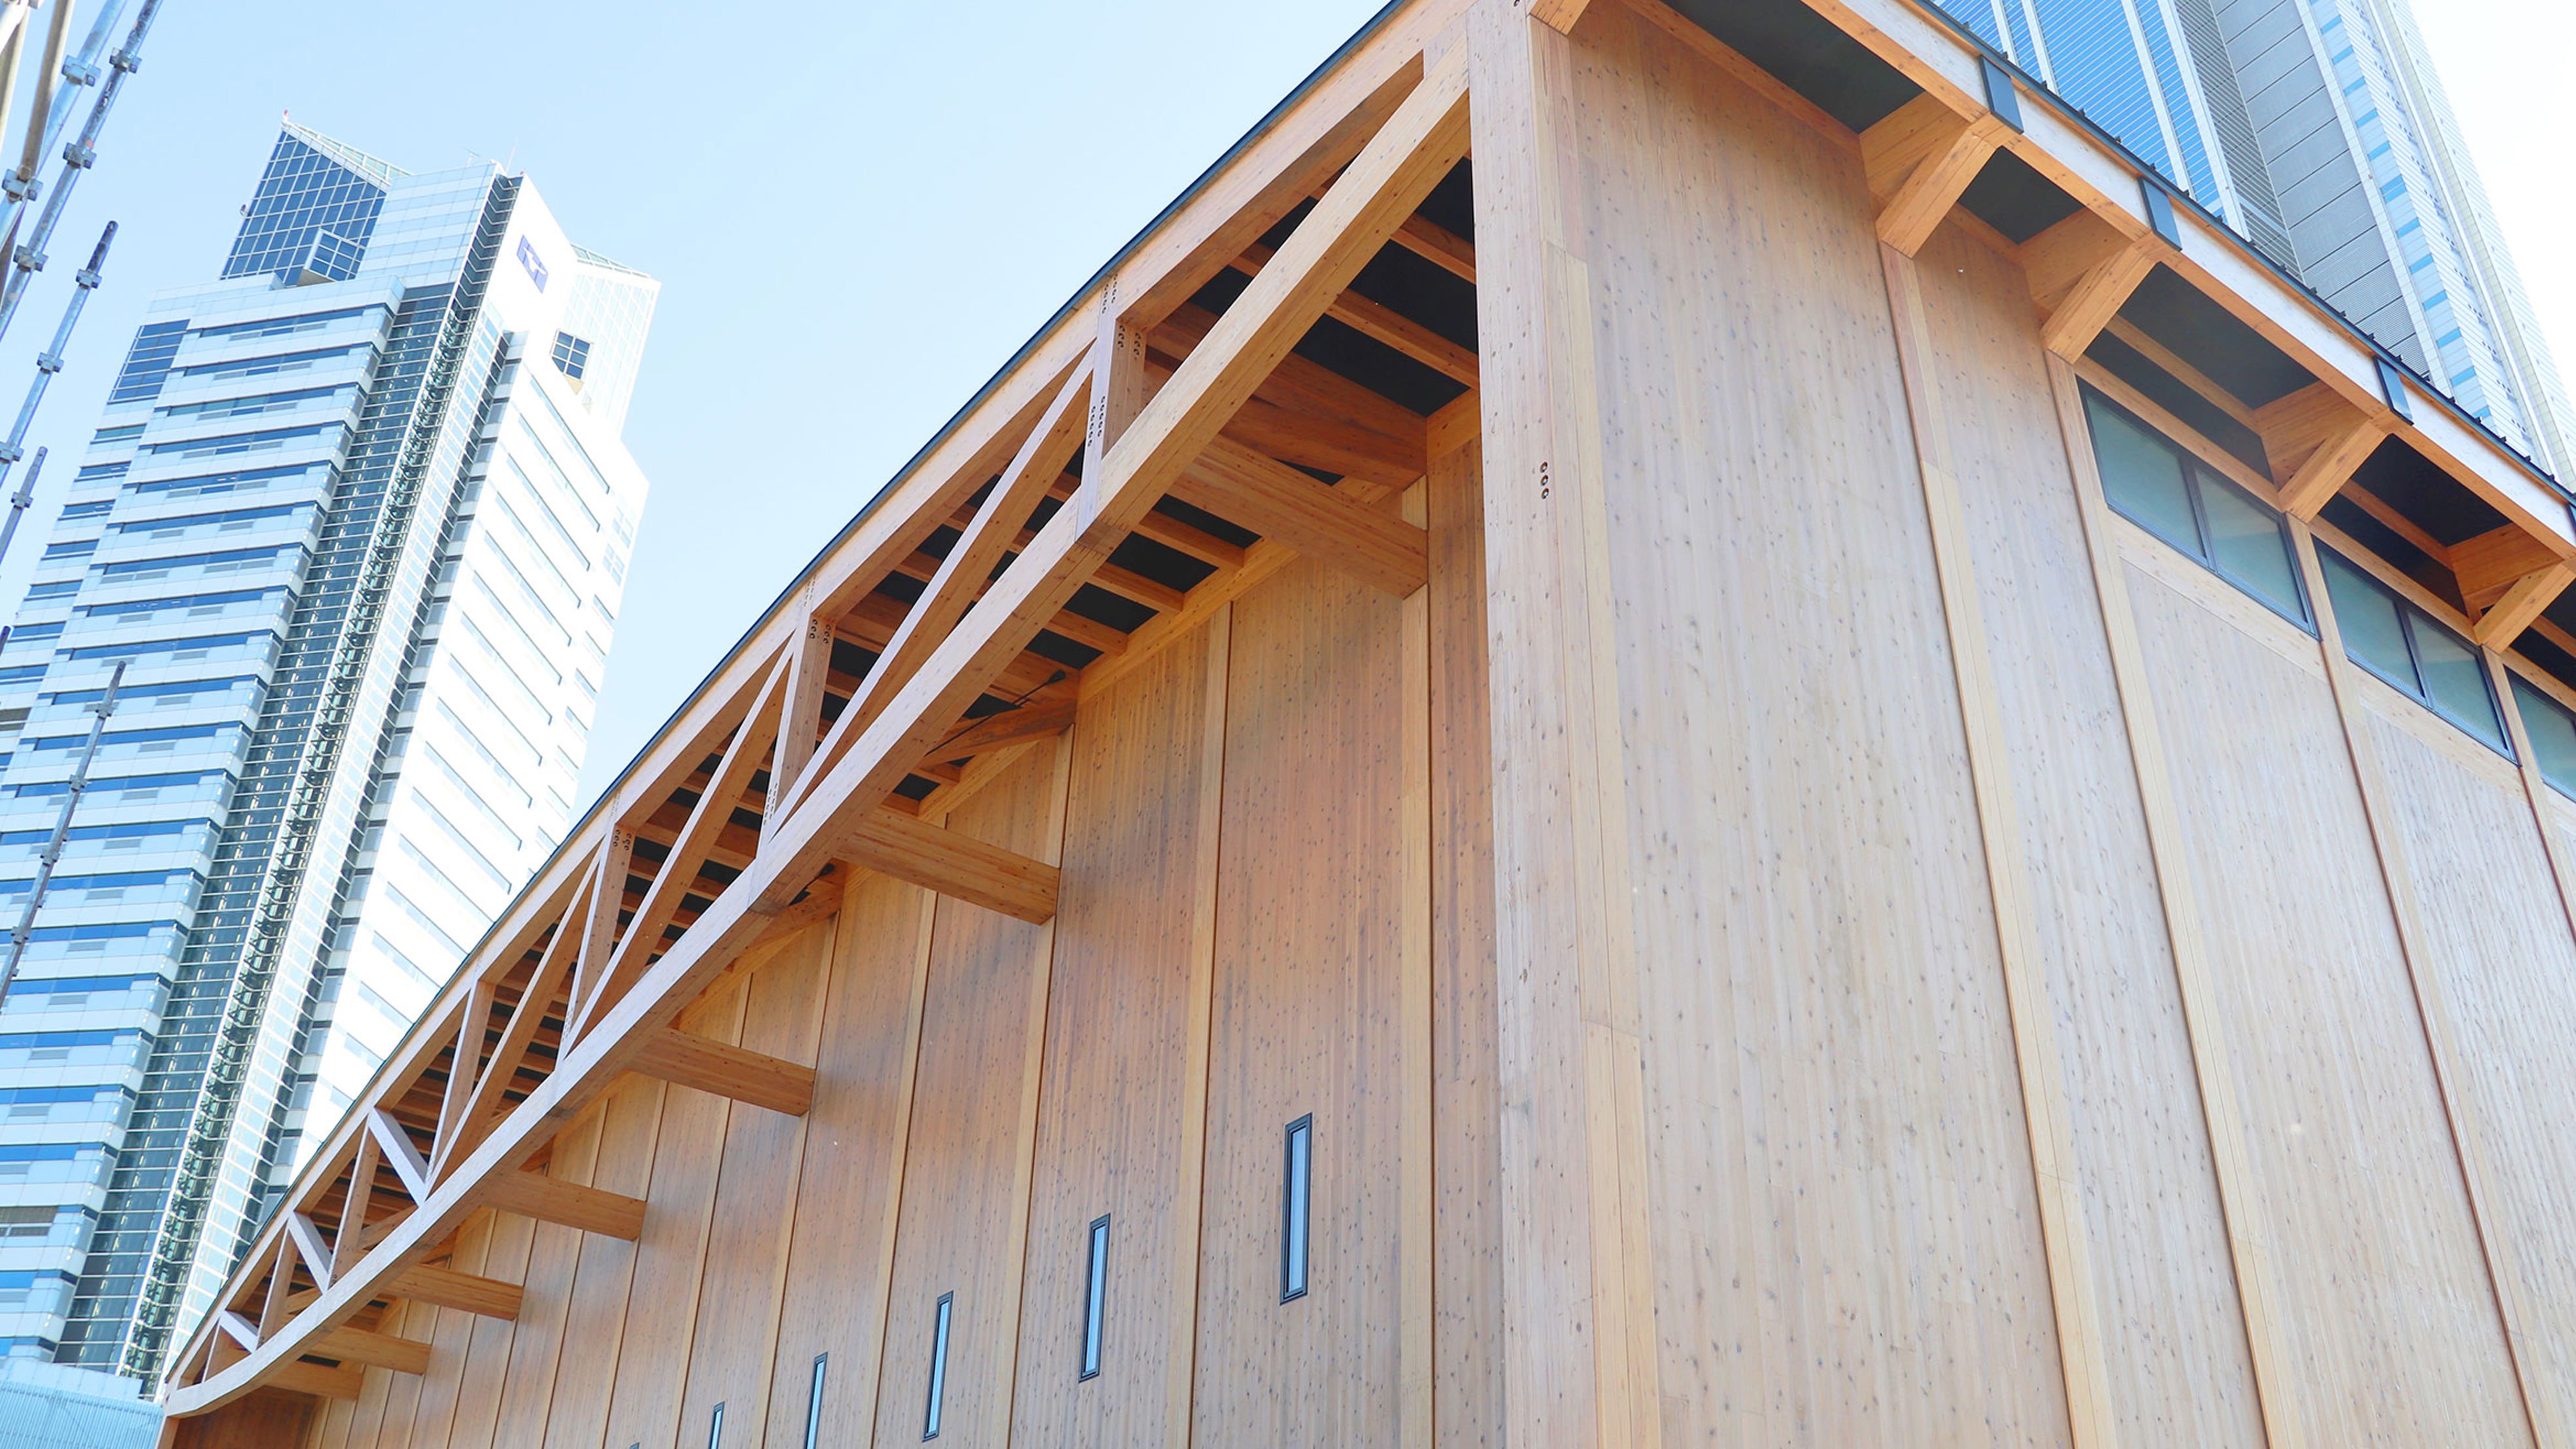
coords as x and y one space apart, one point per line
356 522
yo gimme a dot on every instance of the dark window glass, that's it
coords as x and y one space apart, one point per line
814 1402
1298 1201
1094 1296
2167 492
938 1367
2552 728
2405 646
2144 477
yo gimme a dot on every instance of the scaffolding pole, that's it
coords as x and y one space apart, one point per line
99 709
79 154
18 505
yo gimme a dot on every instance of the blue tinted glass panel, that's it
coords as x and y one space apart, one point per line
2096 64
147 362
302 193
2143 477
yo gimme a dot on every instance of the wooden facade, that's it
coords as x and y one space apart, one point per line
1557 626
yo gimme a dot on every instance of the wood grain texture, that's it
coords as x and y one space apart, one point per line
2179 1369
2357 1204
1121 1116
964 1181
594 1325
843 1237
527 1391
730 1356
1581 1362
670 1259
2066 1233
1309 940
1837 1146
1468 1322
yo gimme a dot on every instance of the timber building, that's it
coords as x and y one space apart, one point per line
1679 726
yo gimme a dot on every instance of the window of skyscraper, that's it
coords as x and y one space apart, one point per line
147 363
303 193
572 355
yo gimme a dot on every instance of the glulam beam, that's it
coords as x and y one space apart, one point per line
686 1059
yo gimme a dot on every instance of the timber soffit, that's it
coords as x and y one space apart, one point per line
682 796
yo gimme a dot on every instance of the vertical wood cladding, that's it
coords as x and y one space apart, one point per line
1119 1132
1846 1239
1621 910
966 1164
2360 1203
1308 957
2180 1371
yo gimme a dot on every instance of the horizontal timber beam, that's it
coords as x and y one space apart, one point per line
952 863
687 1059
375 1350
547 1199
320 1380
464 1292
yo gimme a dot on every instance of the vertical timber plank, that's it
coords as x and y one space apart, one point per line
670 1257
963 1225
733 1339
2067 1238
1467 1299
2259 1295
1121 1115
630 1123
1307 1021
546 1305
841 1254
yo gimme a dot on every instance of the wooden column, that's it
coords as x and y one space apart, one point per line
1579 1361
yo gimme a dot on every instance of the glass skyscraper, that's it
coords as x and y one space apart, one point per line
356 523
2318 130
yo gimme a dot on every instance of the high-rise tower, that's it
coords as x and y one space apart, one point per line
2319 130
355 522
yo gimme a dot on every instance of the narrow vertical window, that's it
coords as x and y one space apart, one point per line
715 1429
1294 1212
1095 1295
938 1367
814 1402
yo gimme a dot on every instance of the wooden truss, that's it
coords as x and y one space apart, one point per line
959 622
798 769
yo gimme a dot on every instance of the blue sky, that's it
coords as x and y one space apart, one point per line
857 212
